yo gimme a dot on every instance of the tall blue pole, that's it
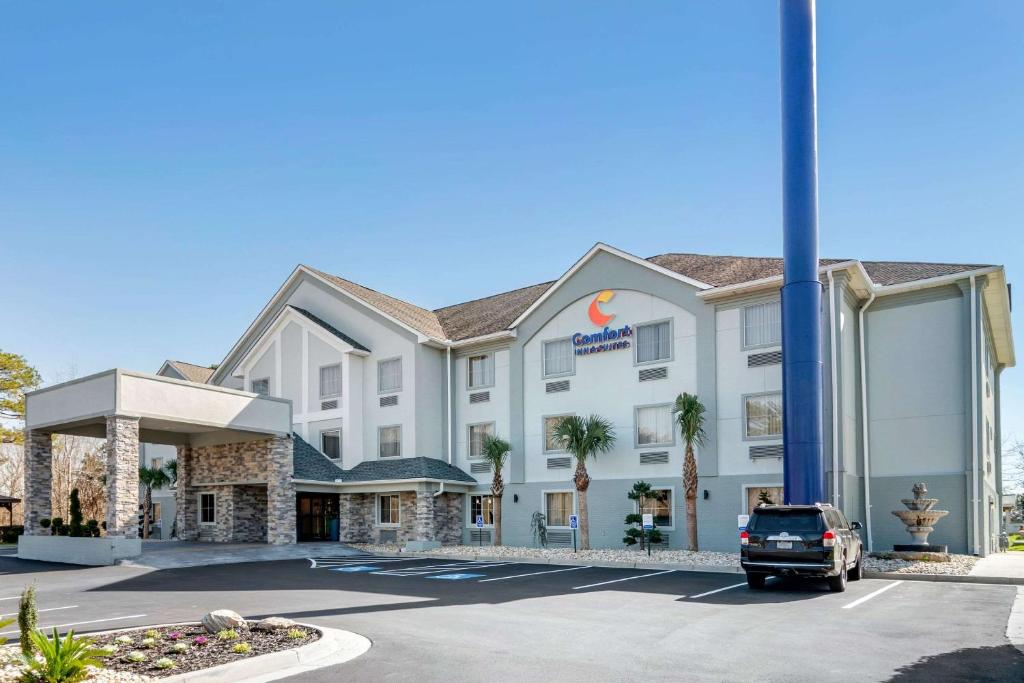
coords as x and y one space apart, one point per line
803 461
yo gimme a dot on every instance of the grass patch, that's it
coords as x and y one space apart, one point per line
1016 542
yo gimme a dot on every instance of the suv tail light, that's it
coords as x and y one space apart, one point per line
744 538
828 539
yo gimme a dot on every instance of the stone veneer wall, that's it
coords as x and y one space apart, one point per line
236 463
123 476
355 511
186 505
448 518
423 518
38 481
249 514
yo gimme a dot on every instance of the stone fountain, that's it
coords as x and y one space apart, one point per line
919 517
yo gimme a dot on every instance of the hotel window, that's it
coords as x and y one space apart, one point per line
207 508
762 325
389 441
481 505
558 358
551 444
477 434
480 371
156 514
330 443
389 510
762 416
659 505
654 342
330 381
157 463
389 375
558 507
654 426
260 386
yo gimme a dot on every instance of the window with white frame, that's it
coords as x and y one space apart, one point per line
330 381
389 375
207 508
477 434
551 444
654 342
389 509
558 507
480 371
260 386
389 441
481 505
762 416
659 504
330 443
558 358
654 425
762 324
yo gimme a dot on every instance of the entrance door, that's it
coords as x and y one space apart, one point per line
317 516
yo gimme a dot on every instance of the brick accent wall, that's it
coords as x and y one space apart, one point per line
122 476
38 481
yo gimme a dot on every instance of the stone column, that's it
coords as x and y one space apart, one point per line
280 492
186 506
123 476
38 481
424 521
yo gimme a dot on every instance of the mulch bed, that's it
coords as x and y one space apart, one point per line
213 653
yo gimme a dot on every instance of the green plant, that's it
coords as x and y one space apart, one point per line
227 634
107 650
60 660
45 522
689 412
151 478
136 656
57 526
164 663
152 633
92 528
241 648
641 493
123 640
27 618
496 452
179 647
4 623
296 634
539 528
75 526
148 643
584 438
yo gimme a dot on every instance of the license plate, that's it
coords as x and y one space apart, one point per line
784 545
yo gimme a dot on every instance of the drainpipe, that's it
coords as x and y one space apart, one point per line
974 413
865 432
451 406
835 389
439 491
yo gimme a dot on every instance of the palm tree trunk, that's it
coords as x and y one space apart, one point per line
146 505
690 486
584 521
497 519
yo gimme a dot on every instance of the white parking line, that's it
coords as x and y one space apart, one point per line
718 590
416 571
628 578
13 597
867 597
48 609
519 576
79 623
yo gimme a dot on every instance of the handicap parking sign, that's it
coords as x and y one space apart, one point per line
479 521
648 520
742 521
574 522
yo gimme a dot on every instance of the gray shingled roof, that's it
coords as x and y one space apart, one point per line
495 313
330 328
312 465
192 372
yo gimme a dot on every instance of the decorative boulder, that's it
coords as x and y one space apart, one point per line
220 619
274 624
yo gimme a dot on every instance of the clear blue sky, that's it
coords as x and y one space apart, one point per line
165 166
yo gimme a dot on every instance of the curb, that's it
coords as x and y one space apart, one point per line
571 562
948 578
1015 624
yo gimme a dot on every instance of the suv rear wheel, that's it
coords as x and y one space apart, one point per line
837 584
755 581
855 573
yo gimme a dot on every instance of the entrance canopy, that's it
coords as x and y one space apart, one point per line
170 411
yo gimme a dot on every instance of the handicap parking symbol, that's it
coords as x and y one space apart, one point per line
454 577
357 568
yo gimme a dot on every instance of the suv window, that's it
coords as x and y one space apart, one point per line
843 523
770 521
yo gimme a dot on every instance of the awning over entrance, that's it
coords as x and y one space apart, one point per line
170 411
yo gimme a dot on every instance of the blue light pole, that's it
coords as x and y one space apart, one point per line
803 462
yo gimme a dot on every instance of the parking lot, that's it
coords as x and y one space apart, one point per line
470 621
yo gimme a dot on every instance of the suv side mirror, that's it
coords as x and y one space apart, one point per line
855 525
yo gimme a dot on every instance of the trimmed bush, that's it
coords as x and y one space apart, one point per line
27 618
241 648
75 527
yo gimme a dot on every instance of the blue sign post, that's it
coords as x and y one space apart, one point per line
480 525
574 524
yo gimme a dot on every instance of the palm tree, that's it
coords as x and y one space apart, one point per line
151 478
689 412
584 438
496 452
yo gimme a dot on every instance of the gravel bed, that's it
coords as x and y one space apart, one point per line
959 565
11 670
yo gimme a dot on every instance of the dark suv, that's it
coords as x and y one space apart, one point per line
801 540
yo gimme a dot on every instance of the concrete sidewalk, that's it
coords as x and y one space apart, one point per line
173 554
1002 565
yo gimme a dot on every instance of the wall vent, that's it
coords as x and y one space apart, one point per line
479 536
773 451
386 401
648 374
664 540
388 536
759 360
329 405
480 397
561 463
478 467
555 387
559 538
659 458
